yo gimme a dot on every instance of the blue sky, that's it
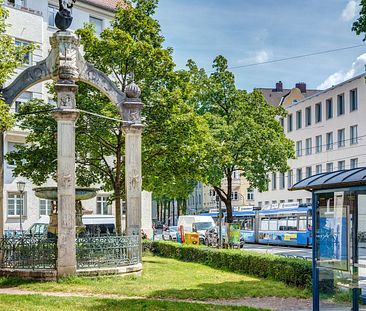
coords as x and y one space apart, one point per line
251 31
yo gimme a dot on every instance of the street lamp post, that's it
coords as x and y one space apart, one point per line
21 187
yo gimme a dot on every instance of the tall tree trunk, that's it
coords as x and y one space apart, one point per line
117 186
229 208
169 213
173 214
157 209
179 203
164 212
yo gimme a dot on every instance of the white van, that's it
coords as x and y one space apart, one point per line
196 223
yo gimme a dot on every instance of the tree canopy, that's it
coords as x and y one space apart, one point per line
359 26
246 135
130 50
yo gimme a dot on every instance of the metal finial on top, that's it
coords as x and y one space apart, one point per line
63 17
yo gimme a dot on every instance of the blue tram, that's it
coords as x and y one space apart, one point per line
277 226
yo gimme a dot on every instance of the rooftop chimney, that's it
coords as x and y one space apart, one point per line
279 86
301 86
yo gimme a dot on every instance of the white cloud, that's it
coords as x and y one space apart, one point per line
262 56
357 67
350 11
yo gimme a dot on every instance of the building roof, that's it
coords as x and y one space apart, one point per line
274 97
338 179
109 5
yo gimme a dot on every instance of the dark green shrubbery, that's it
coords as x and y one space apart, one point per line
292 271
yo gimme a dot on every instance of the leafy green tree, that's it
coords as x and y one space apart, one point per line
246 134
130 49
359 26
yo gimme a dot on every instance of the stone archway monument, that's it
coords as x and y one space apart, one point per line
66 65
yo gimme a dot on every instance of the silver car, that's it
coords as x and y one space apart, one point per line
170 233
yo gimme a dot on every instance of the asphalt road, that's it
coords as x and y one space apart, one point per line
301 252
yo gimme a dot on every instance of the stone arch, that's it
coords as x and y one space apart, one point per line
42 72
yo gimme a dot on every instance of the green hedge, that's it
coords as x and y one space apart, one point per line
292 271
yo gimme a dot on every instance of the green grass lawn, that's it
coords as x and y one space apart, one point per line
169 278
41 303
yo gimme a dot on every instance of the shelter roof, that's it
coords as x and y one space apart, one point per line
338 179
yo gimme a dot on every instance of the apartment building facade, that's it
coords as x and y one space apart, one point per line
328 133
32 21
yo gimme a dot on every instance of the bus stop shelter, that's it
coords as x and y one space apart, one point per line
338 238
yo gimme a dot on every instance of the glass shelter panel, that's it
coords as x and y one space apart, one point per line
340 250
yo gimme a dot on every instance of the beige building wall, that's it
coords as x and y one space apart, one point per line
347 154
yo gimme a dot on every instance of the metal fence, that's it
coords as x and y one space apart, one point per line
28 252
107 251
40 253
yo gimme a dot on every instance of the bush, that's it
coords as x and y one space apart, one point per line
292 271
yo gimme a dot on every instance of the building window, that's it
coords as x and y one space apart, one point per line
308 171
234 196
318 112
299 201
98 24
282 180
309 147
318 169
274 181
354 163
298 119
103 206
340 105
17 3
329 167
307 116
353 100
318 143
24 97
282 122
298 174
12 146
290 179
289 123
329 108
341 165
341 138
299 148
354 136
16 204
27 60
45 207
250 194
52 10
330 141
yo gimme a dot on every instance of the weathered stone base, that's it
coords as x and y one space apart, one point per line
40 275
51 275
120 271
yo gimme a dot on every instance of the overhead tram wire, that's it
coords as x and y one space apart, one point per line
298 56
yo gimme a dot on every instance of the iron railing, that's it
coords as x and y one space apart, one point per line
40 253
107 251
28 252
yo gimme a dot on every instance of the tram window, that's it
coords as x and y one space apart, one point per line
273 224
247 224
282 224
264 223
302 223
292 223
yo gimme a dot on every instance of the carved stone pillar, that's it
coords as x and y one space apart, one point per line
66 116
133 129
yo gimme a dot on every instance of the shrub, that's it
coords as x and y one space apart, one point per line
292 271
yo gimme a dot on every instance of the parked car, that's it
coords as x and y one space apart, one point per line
170 233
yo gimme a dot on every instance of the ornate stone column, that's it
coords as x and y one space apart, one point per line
133 129
66 116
